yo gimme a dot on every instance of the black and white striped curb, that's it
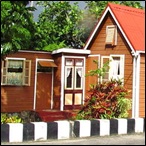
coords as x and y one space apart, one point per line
35 131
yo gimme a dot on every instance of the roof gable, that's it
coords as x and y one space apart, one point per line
130 22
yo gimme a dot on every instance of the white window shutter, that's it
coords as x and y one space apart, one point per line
27 72
122 67
111 35
105 59
4 68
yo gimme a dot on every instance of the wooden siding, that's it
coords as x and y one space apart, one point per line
57 82
18 98
142 87
91 79
97 46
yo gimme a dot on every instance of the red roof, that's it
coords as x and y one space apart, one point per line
132 22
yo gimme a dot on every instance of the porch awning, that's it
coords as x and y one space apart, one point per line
47 64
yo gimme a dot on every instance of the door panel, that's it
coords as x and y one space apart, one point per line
68 98
43 93
78 99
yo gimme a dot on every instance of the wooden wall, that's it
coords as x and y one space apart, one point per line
57 82
91 80
18 98
98 47
142 87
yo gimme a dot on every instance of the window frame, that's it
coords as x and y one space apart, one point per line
74 66
75 82
72 85
111 40
26 72
105 57
122 62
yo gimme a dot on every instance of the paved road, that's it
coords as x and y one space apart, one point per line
131 139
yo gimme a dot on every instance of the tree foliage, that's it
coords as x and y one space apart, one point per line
61 24
97 7
17 26
58 23
94 9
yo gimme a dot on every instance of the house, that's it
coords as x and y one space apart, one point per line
38 80
119 36
26 75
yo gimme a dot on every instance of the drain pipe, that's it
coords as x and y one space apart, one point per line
135 91
35 84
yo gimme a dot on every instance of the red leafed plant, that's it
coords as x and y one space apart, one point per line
105 101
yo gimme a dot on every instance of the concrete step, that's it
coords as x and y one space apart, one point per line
54 115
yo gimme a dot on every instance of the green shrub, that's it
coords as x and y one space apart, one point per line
30 116
20 117
10 118
3 118
124 105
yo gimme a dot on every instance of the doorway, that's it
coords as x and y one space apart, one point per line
44 84
73 85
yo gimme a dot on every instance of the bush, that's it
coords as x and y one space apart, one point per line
10 118
20 117
105 101
30 116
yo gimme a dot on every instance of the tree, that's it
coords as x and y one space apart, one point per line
97 7
61 24
58 24
17 26
93 11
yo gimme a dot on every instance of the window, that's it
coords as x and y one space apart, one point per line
116 67
73 73
16 72
78 73
111 35
44 69
41 68
69 72
69 77
45 66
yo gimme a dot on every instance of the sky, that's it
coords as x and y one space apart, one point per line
82 5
